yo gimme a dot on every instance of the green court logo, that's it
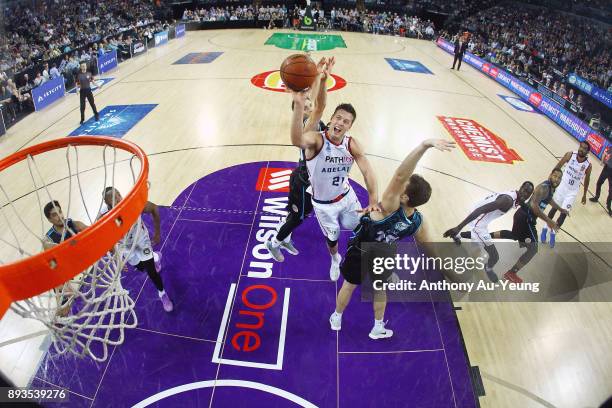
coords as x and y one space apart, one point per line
306 42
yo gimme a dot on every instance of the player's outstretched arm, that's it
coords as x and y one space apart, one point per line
368 174
391 197
300 138
319 89
153 209
503 203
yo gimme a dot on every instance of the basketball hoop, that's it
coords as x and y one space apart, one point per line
74 288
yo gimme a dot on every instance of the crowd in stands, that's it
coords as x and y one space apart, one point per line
542 43
60 26
49 38
337 19
231 13
545 46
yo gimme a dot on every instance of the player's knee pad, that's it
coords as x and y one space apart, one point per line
331 243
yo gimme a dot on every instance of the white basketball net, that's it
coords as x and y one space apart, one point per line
90 312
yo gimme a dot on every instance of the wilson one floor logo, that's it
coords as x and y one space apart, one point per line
259 303
272 81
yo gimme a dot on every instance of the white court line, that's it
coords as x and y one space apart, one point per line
241 363
173 335
433 306
141 288
246 249
63 388
225 383
294 279
389 352
216 222
228 304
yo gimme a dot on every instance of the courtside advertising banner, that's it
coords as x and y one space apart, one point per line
48 92
138 48
107 62
161 38
585 86
179 30
561 116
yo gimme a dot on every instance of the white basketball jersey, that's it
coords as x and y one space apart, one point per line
329 169
573 173
484 220
138 233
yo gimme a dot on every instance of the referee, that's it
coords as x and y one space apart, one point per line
83 80
606 174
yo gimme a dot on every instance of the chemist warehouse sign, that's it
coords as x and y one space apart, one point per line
479 143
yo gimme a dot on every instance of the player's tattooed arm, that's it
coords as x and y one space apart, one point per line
539 194
319 90
503 203
153 209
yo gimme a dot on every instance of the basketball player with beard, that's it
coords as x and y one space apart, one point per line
299 204
577 167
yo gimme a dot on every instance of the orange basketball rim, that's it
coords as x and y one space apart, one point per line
39 273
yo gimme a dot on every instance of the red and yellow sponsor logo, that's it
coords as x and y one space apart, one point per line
272 81
479 143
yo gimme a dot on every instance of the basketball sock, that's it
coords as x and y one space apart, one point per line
466 234
336 258
378 323
336 314
161 293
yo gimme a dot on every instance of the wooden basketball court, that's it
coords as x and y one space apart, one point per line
211 116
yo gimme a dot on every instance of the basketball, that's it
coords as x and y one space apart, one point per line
298 72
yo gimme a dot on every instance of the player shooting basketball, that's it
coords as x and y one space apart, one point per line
299 204
329 158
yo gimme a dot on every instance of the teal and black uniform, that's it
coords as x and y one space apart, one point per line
69 231
299 204
389 230
524 222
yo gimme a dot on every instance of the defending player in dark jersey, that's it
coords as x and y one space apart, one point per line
61 229
299 204
398 218
524 224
